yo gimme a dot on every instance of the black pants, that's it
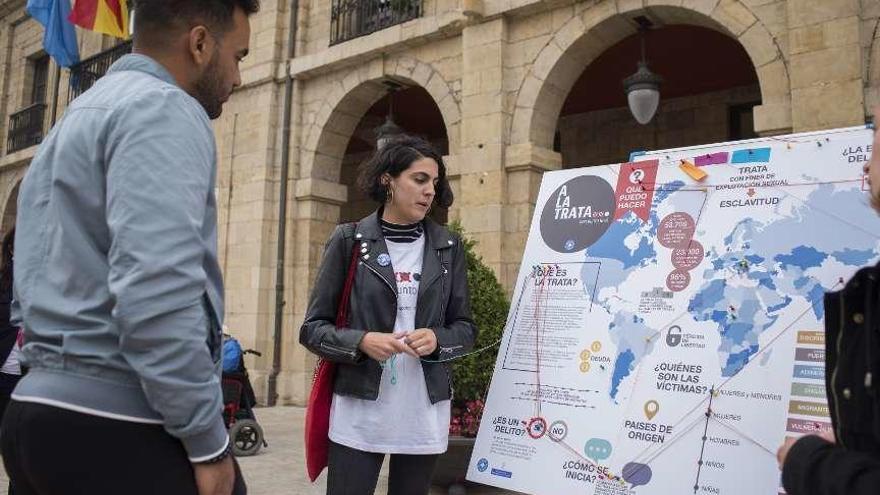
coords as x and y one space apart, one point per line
52 451
355 472
7 385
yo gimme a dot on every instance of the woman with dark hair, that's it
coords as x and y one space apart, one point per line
409 313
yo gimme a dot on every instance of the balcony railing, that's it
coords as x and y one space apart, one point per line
350 19
26 127
84 74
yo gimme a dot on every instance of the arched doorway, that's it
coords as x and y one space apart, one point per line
416 113
709 90
587 35
583 35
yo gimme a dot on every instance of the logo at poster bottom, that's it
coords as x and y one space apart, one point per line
483 465
577 214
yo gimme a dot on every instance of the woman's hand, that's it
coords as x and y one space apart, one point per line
782 453
422 341
381 346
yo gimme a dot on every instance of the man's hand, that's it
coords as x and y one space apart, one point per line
381 346
215 479
423 341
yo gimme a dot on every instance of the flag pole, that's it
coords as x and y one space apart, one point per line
55 94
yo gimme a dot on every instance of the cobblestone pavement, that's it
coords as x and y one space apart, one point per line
280 468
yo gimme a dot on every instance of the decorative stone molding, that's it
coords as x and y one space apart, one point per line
320 190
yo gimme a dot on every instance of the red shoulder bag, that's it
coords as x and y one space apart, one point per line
317 425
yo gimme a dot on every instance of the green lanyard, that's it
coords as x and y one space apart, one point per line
391 363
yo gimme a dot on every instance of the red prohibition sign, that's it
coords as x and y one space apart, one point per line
537 428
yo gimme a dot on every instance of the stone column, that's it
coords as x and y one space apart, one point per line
478 169
825 60
246 190
525 166
314 212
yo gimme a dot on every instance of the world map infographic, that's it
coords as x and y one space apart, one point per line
666 334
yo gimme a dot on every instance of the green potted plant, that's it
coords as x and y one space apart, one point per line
472 374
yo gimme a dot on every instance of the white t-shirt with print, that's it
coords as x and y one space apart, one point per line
402 420
12 366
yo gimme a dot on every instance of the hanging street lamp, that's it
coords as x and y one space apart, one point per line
643 88
389 128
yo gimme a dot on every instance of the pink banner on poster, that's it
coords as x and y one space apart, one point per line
711 159
635 188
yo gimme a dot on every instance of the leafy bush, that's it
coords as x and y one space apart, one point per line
472 374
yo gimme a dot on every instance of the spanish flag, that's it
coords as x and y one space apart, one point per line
103 16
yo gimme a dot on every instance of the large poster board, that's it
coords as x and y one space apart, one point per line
665 335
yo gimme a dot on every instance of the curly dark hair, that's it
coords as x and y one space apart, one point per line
396 156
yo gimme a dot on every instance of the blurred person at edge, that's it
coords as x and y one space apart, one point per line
846 460
10 334
116 276
409 309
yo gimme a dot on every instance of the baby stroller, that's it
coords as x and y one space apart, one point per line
245 433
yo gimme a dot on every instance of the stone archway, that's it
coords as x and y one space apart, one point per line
10 209
592 31
10 182
330 127
707 96
416 113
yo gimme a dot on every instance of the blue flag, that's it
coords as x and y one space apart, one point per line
59 41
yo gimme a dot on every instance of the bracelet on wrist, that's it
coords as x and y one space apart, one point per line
219 457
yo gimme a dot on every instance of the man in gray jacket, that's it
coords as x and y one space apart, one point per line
116 269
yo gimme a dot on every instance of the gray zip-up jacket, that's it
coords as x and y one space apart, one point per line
117 279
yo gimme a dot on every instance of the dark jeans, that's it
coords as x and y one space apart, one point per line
355 472
53 451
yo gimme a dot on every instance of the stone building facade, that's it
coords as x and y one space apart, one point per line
508 89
